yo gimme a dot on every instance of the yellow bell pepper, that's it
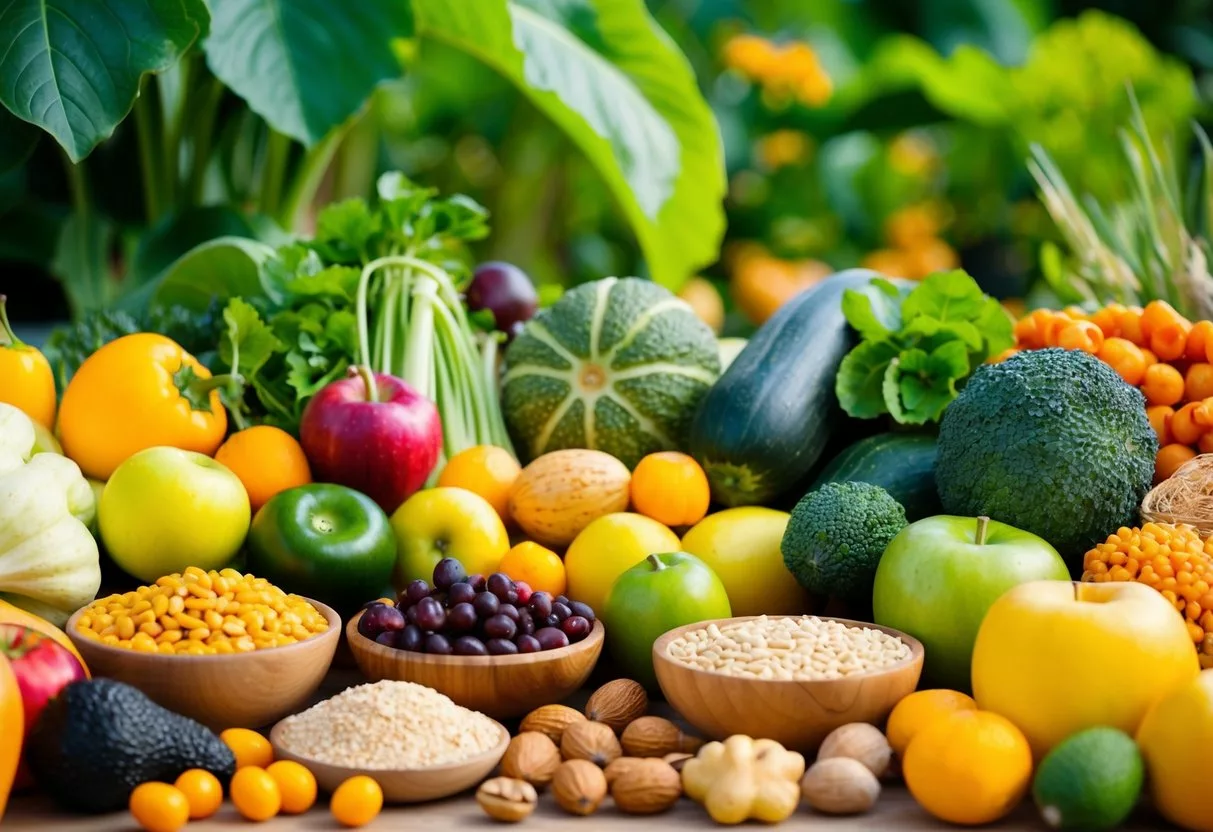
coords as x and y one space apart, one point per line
12 730
28 381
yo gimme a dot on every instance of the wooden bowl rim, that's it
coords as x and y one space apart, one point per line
592 641
661 645
332 633
484 756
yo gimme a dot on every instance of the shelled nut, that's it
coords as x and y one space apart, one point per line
506 799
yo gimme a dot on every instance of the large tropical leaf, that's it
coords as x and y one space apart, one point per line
306 66
607 74
72 67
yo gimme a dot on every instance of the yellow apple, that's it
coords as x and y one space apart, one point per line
742 547
1176 740
437 523
1055 657
608 547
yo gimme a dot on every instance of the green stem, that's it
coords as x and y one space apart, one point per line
8 338
419 349
149 163
202 130
983 527
174 122
656 563
308 177
273 171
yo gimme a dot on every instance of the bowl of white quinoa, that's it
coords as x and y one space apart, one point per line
414 741
793 679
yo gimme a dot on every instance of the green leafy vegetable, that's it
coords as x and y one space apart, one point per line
918 346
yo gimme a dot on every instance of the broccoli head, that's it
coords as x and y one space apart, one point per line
1050 441
836 536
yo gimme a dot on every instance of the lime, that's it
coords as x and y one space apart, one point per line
1090 782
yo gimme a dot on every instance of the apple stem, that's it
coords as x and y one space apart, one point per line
656 562
368 378
983 525
7 337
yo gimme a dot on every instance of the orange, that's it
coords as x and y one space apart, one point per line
487 471
969 767
671 488
267 460
539 568
203 791
250 748
357 801
918 710
159 807
255 794
296 784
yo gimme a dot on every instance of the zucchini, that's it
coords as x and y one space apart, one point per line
763 425
903 464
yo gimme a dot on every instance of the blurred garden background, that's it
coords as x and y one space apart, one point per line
882 133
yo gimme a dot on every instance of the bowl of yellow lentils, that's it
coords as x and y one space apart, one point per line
226 649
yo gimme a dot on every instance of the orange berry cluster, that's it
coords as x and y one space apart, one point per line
1171 559
1159 351
784 70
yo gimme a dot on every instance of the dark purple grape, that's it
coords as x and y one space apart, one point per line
550 638
430 615
551 621
561 599
416 591
501 647
500 585
500 627
410 614
583 610
541 604
528 644
477 581
387 638
509 611
486 604
511 597
380 618
469 646
448 571
561 610
526 624
524 591
576 627
439 595
410 638
438 644
460 593
506 291
461 618
370 604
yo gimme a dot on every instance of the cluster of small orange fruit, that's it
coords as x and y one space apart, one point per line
1156 349
788 71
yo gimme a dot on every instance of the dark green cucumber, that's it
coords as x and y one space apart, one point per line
763 425
903 464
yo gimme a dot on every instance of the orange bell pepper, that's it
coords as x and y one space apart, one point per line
29 383
137 392
12 730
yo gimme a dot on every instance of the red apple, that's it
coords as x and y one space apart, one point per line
43 667
380 436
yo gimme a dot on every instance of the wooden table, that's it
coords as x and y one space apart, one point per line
895 811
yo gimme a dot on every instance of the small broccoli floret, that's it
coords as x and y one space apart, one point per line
836 536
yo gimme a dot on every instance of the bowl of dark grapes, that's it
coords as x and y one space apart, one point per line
489 643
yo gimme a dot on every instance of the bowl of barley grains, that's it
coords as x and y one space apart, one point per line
415 742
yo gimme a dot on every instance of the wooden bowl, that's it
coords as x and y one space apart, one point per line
502 687
798 715
238 690
414 785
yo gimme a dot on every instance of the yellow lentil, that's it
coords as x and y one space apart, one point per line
202 613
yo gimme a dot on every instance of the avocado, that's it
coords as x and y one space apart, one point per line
99 739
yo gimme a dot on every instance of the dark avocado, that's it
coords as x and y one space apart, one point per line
99 739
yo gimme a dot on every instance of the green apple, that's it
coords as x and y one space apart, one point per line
653 597
437 523
939 576
164 509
